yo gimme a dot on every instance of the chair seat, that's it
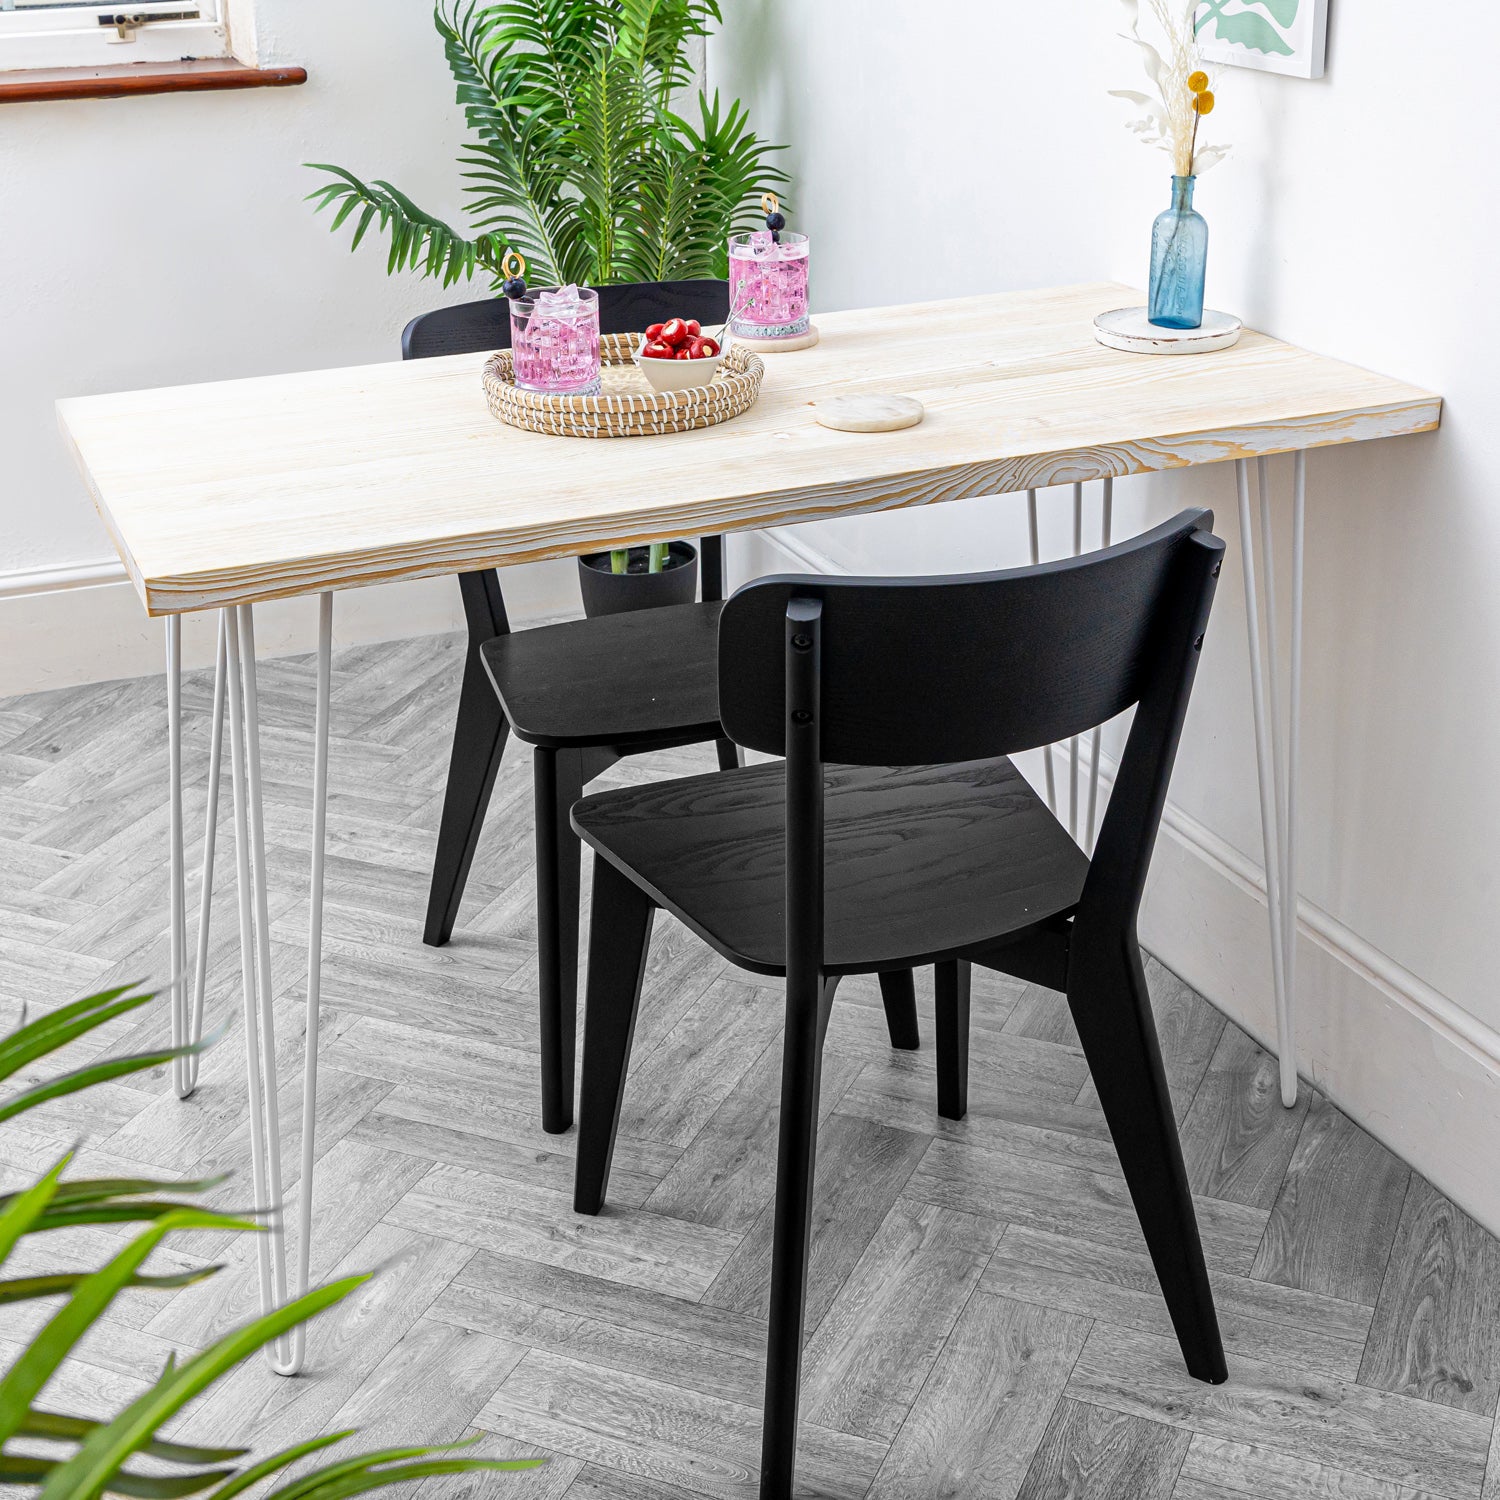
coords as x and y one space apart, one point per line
922 862
649 677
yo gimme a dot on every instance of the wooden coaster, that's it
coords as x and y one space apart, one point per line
778 346
1129 329
868 413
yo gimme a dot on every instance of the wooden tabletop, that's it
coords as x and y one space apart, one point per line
289 484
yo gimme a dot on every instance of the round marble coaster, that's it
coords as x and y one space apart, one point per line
779 346
868 413
1129 328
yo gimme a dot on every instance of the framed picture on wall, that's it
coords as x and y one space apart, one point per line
1277 36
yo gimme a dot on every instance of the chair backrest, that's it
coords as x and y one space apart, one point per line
923 671
478 327
936 670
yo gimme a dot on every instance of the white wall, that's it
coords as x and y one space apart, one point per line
161 240
971 147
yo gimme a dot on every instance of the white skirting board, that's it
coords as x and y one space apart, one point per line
61 627
1413 1068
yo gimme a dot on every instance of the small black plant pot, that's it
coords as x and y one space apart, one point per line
608 593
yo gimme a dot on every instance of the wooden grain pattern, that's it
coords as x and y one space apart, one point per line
1218 1467
288 484
1436 1332
1119 1286
429 1057
1240 1138
1088 1451
1334 1422
888 1324
986 1405
1336 1214
206 75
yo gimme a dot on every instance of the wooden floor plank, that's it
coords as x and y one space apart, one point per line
1071 1201
1335 1217
1119 1285
1436 1332
727 1175
1333 1422
1215 1467
866 1363
861 1169
1089 1453
986 1405
1237 1138
630 1246
687 1438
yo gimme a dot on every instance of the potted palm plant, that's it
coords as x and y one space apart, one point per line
581 161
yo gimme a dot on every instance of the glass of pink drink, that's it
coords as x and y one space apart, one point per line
554 340
768 285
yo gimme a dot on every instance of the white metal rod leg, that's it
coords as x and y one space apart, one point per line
1036 557
288 1353
187 1013
1271 773
1294 739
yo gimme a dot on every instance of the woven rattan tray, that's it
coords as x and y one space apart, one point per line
627 407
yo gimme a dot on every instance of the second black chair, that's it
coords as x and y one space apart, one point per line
898 833
582 694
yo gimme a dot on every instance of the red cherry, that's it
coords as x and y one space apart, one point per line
695 347
694 327
656 349
674 331
709 349
654 332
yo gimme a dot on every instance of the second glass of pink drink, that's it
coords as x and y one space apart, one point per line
554 340
768 285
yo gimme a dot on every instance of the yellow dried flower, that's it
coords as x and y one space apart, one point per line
1203 104
1198 82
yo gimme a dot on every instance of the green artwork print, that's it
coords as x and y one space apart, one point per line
1249 27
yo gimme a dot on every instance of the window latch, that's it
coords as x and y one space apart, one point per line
127 23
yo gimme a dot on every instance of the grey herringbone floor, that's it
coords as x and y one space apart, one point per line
982 1319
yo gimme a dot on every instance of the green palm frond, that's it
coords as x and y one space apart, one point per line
104 1451
418 241
577 160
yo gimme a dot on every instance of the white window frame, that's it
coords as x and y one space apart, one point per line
74 36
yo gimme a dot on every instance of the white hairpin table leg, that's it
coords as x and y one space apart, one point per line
187 1013
287 1354
1275 752
1036 557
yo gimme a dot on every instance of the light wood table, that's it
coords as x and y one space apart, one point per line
221 496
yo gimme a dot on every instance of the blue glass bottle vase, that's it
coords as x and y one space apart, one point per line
1179 261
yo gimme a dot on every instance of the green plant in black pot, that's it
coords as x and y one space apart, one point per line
580 161
62 1456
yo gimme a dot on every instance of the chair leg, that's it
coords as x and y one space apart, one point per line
478 743
729 755
558 778
801 1078
952 981
898 992
619 934
1112 1011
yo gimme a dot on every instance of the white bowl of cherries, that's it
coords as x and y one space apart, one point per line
675 355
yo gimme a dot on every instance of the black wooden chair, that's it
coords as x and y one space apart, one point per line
898 833
584 694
